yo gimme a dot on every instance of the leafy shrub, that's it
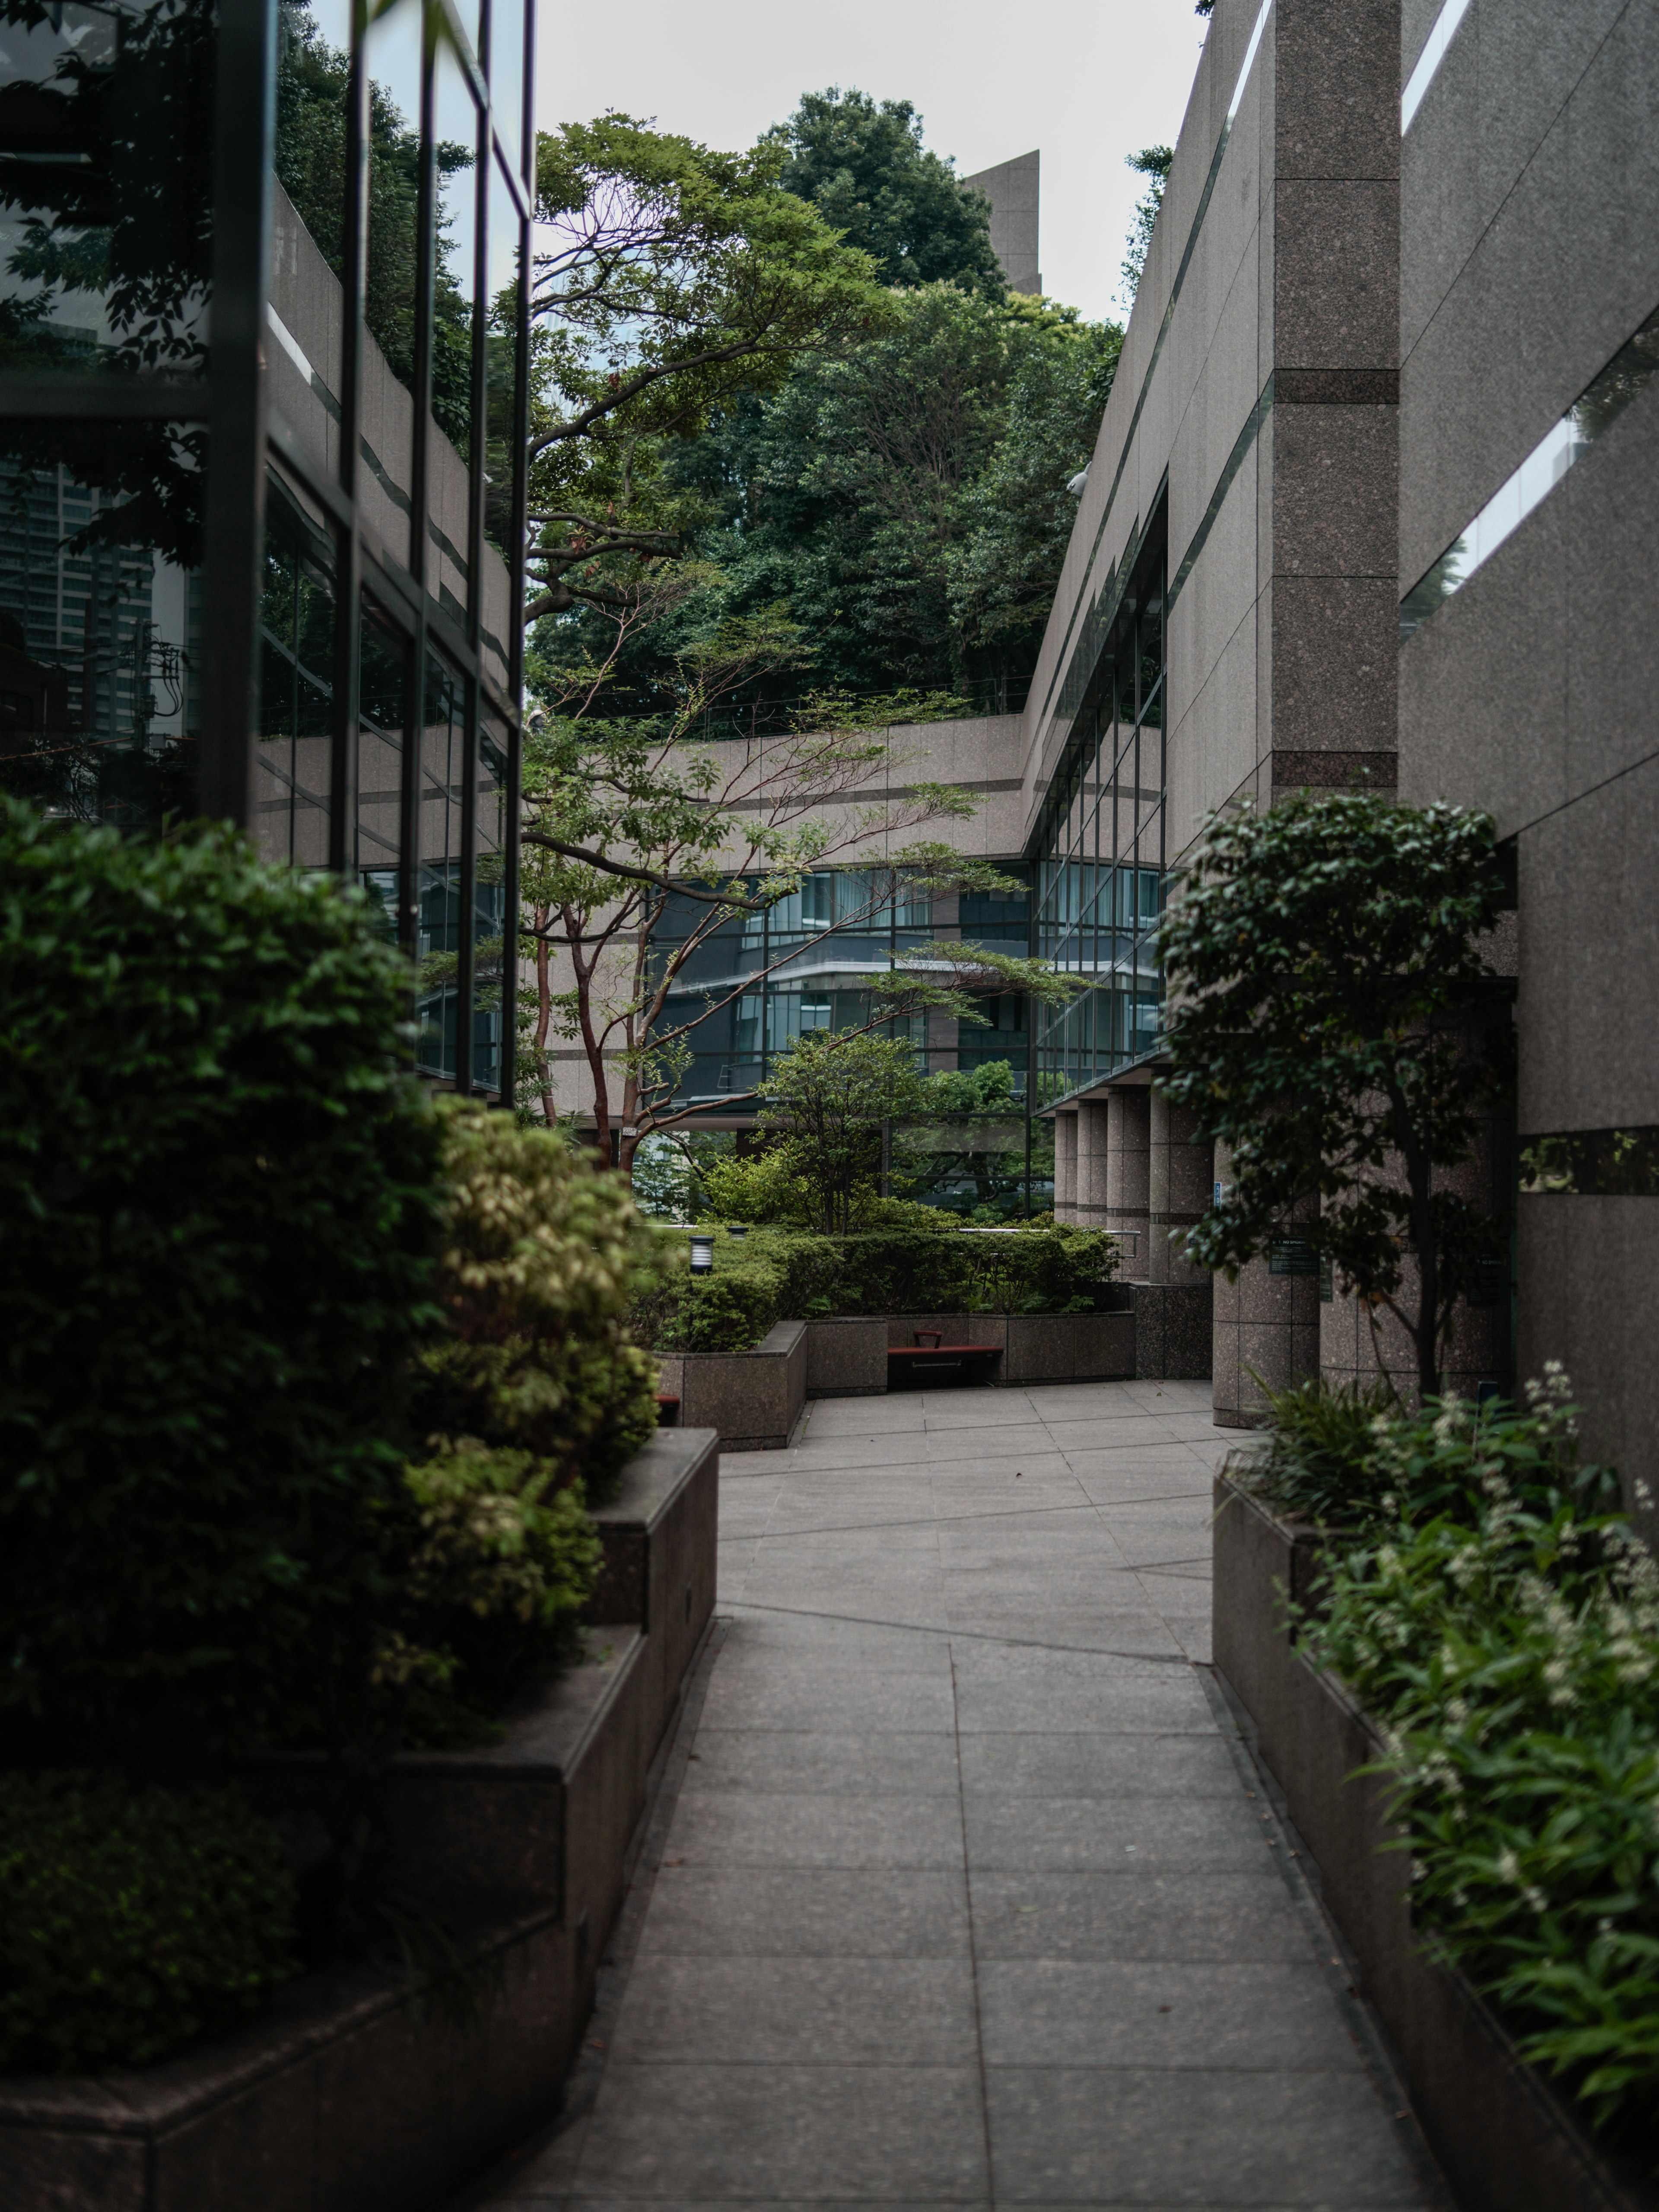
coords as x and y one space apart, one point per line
132 1921
1318 1461
218 1187
528 1406
1503 1628
543 1253
773 1275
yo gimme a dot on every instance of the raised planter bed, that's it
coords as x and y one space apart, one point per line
346 2094
1507 2142
849 1356
753 1399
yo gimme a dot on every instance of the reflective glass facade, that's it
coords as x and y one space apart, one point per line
306 619
772 977
1102 849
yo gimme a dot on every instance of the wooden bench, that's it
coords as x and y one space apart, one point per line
668 1410
942 1358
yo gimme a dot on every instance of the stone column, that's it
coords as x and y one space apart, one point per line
1091 1142
1129 1167
1178 1189
1266 1321
1066 1165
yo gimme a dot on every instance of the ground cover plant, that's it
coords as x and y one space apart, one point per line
1488 1604
132 1920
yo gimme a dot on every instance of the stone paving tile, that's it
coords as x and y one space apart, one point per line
1068 1835
793 1912
800 2012
1090 2012
860 2131
787 1828
1054 1765
1246 1919
851 1765
960 1857
1107 2135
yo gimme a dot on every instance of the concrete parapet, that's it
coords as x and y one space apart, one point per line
752 1397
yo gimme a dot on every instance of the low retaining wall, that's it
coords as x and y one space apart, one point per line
1506 2141
753 1399
846 1356
346 2094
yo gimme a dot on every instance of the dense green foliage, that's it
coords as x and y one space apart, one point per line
906 496
774 1275
542 1254
1315 1464
1332 1020
132 1921
1493 1611
218 1184
864 168
668 278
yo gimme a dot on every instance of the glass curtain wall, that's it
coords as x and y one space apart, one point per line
1102 849
773 977
308 622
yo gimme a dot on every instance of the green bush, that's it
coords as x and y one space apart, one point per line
543 1254
526 1405
132 1921
1503 1628
774 1275
218 1188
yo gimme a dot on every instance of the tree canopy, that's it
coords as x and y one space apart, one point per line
1325 974
864 167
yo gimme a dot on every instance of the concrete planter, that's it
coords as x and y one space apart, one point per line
1505 2141
753 1399
345 2095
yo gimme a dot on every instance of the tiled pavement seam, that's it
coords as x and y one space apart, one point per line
963 1902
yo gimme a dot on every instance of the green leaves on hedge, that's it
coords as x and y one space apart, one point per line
217 1185
132 1921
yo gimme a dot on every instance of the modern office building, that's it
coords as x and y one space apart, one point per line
262 367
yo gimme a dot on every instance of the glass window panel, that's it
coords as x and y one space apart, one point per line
454 292
438 864
296 681
392 52
308 222
105 181
507 43
101 618
383 654
489 906
501 293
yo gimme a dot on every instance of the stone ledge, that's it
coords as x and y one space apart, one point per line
346 2093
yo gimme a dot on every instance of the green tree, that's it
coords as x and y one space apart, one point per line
1331 1021
671 279
864 168
908 498
624 815
1153 163
827 1101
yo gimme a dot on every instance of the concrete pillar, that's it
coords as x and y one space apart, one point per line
1265 1324
1182 1168
1091 1141
1128 1168
1065 1166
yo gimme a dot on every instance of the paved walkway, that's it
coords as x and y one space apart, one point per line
964 1901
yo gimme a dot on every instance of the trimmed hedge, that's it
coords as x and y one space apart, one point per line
774 1275
219 1189
132 1921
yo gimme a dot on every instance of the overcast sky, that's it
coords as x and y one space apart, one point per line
1086 81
